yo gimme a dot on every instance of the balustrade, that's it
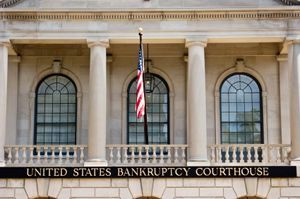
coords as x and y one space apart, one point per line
147 154
154 155
237 154
58 155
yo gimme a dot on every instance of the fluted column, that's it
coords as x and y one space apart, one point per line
294 75
196 103
3 98
97 104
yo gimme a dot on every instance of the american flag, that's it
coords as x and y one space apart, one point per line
140 97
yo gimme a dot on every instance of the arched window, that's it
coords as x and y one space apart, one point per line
241 110
157 100
55 111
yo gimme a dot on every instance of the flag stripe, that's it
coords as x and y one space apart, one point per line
140 96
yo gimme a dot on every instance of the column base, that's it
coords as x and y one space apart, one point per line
295 162
95 163
195 163
2 164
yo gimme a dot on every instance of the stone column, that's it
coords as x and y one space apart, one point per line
3 98
294 75
196 104
12 99
97 104
284 98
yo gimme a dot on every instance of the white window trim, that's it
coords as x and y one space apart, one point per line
240 67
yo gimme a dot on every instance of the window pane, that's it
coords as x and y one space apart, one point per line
233 127
232 97
240 96
241 138
225 127
233 117
224 97
233 107
225 107
248 97
225 138
225 87
225 117
240 107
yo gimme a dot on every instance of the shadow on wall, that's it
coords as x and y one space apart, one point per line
250 197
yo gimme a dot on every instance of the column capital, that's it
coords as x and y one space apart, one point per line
282 57
292 40
5 42
98 42
196 42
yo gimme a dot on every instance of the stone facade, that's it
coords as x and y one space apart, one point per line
221 37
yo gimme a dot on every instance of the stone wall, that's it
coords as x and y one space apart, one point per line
166 188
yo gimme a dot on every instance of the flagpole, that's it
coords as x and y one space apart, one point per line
145 115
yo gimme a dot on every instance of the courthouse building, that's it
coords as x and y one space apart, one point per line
222 89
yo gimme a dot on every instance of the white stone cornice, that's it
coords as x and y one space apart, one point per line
154 14
5 42
196 42
101 42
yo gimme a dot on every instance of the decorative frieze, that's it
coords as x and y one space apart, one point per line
151 15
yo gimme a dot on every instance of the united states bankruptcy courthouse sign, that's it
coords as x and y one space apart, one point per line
136 172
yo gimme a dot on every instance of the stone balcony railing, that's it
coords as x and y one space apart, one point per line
247 154
45 155
154 155
75 155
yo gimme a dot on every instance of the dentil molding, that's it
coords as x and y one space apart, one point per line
180 14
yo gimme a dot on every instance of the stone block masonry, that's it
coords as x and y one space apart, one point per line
166 188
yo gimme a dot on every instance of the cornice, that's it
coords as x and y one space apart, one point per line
7 3
28 15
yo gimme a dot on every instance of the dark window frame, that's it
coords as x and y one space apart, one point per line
261 119
36 112
149 123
